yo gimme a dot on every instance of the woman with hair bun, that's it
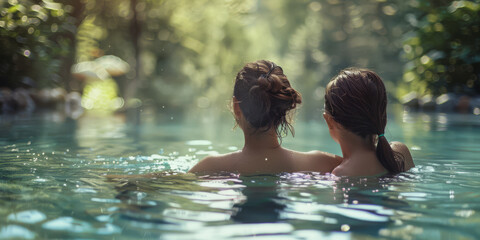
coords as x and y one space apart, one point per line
262 102
356 115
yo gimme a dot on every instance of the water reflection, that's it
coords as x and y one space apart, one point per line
335 204
53 184
262 203
174 199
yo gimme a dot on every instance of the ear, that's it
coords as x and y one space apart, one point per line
236 108
330 122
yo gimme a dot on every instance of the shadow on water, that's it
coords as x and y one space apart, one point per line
262 202
329 203
306 201
256 197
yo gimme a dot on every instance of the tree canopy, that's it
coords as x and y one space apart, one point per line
186 53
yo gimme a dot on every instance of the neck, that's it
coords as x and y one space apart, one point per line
359 155
352 145
255 141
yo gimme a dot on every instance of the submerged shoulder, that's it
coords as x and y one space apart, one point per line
341 171
213 163
402 149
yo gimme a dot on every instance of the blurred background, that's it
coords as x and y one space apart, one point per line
90 88
181 56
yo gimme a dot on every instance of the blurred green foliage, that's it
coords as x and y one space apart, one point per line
443 48
186 54
189 52
34 42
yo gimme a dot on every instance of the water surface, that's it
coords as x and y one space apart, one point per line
53 182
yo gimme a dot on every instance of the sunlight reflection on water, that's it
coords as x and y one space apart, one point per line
52 183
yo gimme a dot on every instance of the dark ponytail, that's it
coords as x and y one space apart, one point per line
389 159
356 98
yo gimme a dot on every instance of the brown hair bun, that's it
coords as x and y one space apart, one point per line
265 96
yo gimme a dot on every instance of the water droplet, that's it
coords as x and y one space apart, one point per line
26 53
476 111
416 148
345 228
232 148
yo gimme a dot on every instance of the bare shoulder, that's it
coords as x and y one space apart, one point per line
319 161
341 171
334 159
403 150
214 163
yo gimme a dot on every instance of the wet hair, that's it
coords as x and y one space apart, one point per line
266 97
356 98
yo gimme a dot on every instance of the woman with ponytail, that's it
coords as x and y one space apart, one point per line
356 115
263 100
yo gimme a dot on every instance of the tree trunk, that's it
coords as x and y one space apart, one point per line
78 15
135 32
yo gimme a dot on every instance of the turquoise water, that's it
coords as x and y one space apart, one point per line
53 182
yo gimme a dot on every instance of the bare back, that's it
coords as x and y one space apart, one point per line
272 161
367 164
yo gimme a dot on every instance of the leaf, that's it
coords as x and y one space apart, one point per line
15 8
52 5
